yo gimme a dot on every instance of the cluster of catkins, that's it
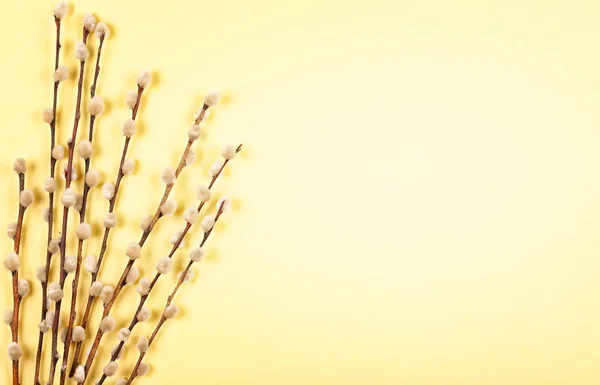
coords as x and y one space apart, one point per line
72 335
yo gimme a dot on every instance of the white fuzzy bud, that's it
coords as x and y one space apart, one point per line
212 99
78 334
61 9
20 166
144 79
229 152
12 261
208 222
74 174
196 254
216 168
44 326
8 316
121 381
84 149
191 215
54 246
144 314
128 166
134 250
145 222
171 312
70 264
14 351
69 197
26 198
90 264
11 230
175 238
106 294
79 375
102 30
132 276
143 287
188 276
111 369
114 350
83 231
81 51
124 334
89 22
129 128
40 273
194 132
168 175
96 106
92 178
107 324
55 293
48 115
110 220
58 152
224 204
143 369
61 74
108 190
164 265
50 185
96 288
168 207
191 157
23 287
142 344
131 99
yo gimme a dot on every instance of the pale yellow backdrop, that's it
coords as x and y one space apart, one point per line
418 202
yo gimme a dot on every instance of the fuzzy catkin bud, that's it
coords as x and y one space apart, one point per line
54 246
61 74
14 351
121 381
92 178
143 369
144 79
111 369
89 22
90 264
70 264
229 152
69 197
106 294
134 250
129 128
194 132
55 293
176 237
212 99
224 204
144 314
85 149
142 344
50 185
8 316
48 115
12 262
102 30
79 375
164 265
96 288
207 223
58 152
40 273
108 190
124 334
61 9
168 207
83 231
110 220
190 215
107 324
26 198
20 166
191 157
81 51
11 230
132 276
131 99
216 168
145 222
171 312
196 254
188 276
23 287
128 166
144 286
78 334
168 175
96 106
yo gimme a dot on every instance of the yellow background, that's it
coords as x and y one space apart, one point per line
417 202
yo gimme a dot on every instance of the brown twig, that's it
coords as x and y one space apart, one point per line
103 247
143 298
121 283
163 319
86 190
38 357
63 239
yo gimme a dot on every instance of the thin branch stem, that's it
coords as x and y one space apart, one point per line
38 356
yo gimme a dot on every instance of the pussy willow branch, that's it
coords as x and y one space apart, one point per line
38 356
143 298
90 301
63 238
163 319
14 325
86 190
121 283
